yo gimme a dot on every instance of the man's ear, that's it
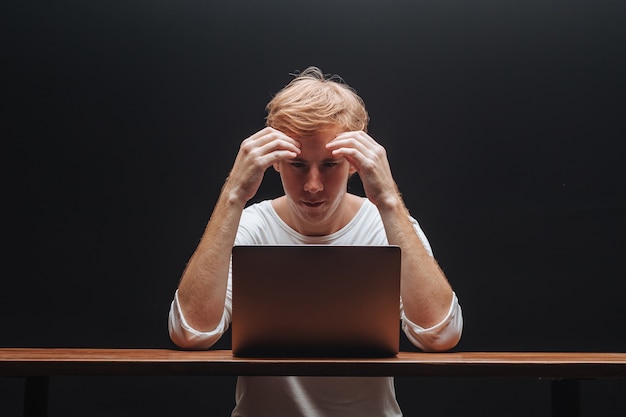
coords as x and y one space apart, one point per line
352 170
276 167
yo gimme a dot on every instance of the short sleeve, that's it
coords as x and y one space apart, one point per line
186 337
440 337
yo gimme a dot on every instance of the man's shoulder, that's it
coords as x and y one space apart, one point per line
260 224
366 208
258 210
258 206
260 214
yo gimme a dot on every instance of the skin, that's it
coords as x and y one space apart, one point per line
316 202
314 172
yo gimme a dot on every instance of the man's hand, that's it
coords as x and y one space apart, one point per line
369 158
256 154
202 289
426 294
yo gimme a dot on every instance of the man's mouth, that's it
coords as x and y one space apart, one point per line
313 203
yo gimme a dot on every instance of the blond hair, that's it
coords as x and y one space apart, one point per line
312 102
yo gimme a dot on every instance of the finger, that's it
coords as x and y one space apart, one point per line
364 157
360 141
257 155
355 157
282 139
261 133
275 143
269 159
260 144
359 135
268 134
352 148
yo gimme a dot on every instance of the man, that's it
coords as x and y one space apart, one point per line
316 139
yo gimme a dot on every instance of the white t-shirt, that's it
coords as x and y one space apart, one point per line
315 396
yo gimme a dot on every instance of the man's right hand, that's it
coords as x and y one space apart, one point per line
256 154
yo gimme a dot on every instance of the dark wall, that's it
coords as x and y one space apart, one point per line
504 124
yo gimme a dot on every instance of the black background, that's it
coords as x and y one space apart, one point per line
504 125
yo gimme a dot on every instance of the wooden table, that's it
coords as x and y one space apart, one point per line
563 369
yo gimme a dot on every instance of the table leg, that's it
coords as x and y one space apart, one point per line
36 396
565 398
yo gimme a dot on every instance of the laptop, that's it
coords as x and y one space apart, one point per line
315 301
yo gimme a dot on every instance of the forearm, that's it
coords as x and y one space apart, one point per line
426 293
202 289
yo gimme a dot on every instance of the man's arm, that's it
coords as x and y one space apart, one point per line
202 289
426 293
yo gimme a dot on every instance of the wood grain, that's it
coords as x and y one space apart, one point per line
84 361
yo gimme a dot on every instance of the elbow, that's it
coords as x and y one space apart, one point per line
188 341
442 343
188 338
441 337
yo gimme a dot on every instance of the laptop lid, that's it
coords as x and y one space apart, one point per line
315 300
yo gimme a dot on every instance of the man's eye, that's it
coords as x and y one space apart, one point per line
297 164
330 164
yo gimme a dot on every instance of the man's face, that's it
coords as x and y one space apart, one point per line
315 185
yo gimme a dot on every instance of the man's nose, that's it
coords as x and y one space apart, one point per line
313 182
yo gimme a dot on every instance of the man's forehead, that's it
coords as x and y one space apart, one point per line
315 147
330 131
